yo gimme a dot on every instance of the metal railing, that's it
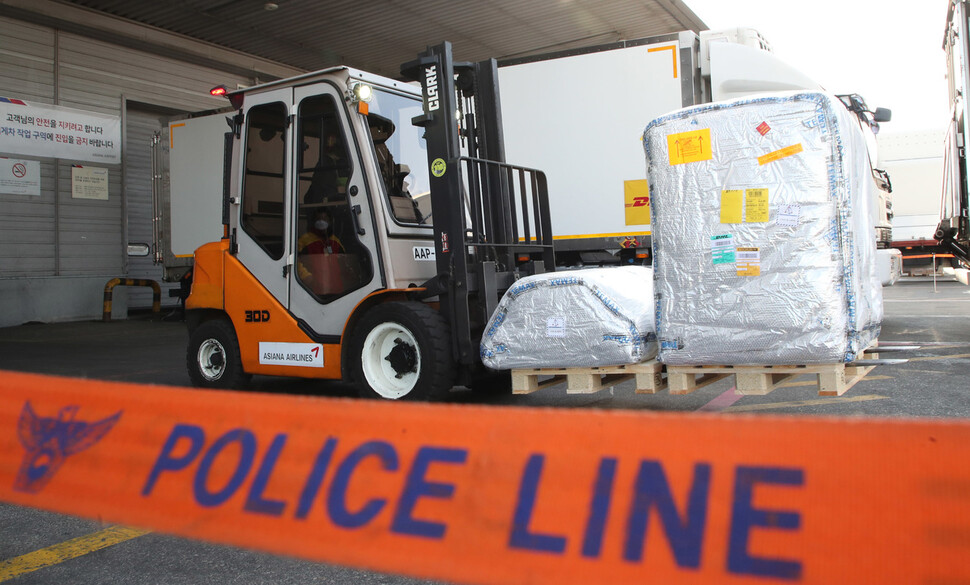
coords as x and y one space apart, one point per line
508 211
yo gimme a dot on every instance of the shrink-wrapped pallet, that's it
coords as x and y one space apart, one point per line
763 232
580 318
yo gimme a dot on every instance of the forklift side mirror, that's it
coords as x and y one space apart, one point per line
882 115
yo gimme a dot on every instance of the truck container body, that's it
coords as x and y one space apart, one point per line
914 161
189 189
953 231
579 116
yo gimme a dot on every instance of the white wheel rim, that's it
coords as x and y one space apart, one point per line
209 349
379 371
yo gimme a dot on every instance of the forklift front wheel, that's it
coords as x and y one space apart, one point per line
404 353
213 356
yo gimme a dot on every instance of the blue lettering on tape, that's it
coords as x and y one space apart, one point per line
682 513
599 508
255 502
417 487
247 444
165 462
337 497
565 281
521 288
312 486
744 517
684 533
521 535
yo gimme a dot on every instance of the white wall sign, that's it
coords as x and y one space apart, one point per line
89 183
19 177
58 132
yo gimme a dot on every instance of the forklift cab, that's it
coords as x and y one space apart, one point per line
332 266
319 202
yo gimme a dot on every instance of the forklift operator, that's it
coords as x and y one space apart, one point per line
318 239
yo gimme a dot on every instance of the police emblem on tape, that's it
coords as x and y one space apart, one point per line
48 442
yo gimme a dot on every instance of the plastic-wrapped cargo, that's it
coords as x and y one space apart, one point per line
579 318
763 232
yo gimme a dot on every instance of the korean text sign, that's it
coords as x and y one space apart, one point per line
42 130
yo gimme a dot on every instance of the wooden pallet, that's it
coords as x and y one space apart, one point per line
647 375
832 379
652 377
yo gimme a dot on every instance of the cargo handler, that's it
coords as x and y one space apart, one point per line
433 226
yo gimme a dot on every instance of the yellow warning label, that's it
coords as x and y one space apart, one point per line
755 205
779 154
636 197
731 205
688 147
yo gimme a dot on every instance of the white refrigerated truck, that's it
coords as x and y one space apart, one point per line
579 116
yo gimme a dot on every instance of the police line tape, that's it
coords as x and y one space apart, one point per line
478 494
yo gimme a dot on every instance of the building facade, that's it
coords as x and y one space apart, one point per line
82 95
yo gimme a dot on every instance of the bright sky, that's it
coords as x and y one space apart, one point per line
888 51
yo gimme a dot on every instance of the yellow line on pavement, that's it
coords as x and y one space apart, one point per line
797 403
66 551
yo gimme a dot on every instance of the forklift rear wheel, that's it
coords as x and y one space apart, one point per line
402 351
213 356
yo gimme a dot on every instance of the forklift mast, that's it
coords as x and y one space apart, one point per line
491 219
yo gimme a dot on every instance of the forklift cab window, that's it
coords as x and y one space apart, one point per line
263 183
331 261
402 156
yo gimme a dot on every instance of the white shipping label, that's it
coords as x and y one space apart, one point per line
424 253
309 355
788 215
556 327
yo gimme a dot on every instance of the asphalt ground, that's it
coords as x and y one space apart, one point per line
934 383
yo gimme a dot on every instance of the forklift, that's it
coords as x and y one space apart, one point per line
370 229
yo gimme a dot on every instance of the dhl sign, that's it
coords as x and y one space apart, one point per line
477 494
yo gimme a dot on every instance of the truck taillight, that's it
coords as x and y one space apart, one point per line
219 90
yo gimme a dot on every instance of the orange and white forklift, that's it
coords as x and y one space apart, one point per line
371 227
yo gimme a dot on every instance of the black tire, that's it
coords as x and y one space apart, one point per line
213 356
402 351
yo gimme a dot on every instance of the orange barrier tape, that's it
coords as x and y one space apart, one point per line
500 495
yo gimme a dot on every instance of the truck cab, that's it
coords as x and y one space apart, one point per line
335 263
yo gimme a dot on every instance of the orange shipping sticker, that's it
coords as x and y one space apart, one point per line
748 261
688 147
780 154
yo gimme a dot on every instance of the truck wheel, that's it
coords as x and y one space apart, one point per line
402 351
213 356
